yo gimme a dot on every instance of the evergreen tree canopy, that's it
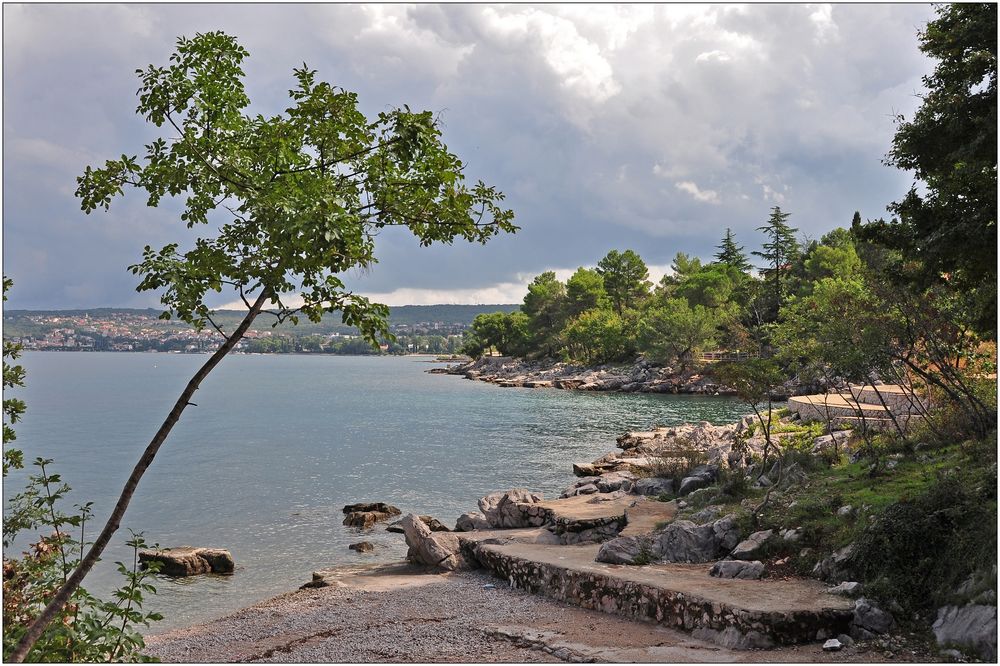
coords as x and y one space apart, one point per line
732 254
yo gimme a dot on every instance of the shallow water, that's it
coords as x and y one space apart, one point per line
278 444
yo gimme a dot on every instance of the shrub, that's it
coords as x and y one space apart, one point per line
918 550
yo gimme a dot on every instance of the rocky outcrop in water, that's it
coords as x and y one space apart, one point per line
366 514
434 549
502 510
188 561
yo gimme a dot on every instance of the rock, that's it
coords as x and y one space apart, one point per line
366 514
607 497
753 547
585 469
845 511
834 568
738 569
826 442
791 535
471 521
653 486
431 522
363 546
636 549
189 561
793 476
572 490
832 645
440 549
847 589
871 618
588 489
707 514
684 541
501 509
763 482
726 532
692 483
612 481
973 628
845 640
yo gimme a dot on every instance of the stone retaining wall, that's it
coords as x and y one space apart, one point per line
720 623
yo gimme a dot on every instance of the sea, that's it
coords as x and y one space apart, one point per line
276 445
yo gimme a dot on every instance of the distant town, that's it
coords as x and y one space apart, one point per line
433 329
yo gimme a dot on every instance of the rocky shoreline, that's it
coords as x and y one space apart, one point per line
638 377
644 533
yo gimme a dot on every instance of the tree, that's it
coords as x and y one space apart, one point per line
544 304
732 254
507 331
584 291
596 336
675 330
625 278
755 382
778 252
298 199
950 145
713 286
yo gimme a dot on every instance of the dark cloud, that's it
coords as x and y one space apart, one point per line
651 127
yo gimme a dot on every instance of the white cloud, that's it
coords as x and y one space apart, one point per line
706 196
576 60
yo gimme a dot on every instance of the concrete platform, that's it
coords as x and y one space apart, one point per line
733 613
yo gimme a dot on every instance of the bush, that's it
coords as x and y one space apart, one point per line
678 465
918 550
88 629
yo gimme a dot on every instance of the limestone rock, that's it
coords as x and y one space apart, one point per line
653 486
366 514
691 483
188 561
847 589
834 568
832 645
792 535
753 547
972 628
726 532
588 489
440 549
431 522
871 618
363 546
627 550
613 481
471 521
501 508
738 569
684 541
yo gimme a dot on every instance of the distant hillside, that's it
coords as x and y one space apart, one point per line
18 323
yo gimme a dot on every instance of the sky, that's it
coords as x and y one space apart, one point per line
650 127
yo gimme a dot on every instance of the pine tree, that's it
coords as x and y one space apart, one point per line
732 254
778 252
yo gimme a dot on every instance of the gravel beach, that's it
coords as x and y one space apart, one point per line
399 613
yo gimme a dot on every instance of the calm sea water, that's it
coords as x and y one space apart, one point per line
278 444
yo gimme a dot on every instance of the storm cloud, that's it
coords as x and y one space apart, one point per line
651 127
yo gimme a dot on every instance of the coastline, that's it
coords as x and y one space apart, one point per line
638 377
402 613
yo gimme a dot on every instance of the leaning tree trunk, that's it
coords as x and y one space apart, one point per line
111 526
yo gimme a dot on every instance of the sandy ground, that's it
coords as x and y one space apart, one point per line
401 614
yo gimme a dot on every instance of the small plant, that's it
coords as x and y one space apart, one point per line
88 629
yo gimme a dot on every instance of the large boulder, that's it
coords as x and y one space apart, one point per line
753 547
431 522
737 569
870 620
653 486
501 509
689 484
366 514
469 522
634 549
433 549
972 628
612 481
680 541
834 568
188 561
